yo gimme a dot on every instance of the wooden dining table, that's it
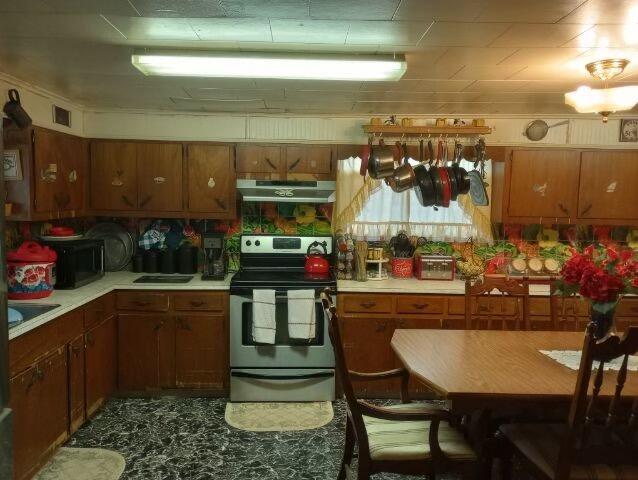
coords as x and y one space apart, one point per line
495 370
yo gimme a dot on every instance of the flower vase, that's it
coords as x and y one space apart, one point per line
602 316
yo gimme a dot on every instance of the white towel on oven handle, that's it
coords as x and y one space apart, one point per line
302 323
264 322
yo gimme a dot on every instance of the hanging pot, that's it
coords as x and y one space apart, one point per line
382 161
13 109
402 179
478 193
424 188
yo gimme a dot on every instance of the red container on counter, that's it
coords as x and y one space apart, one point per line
402 267
30 271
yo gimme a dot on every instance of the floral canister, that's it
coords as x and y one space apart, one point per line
30 271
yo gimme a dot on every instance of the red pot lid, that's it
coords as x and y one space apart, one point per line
61 231
31 251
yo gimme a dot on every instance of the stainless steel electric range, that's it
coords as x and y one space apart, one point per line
290 369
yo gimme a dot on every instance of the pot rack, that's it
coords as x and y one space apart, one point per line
420 130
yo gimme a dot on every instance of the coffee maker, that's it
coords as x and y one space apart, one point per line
215 258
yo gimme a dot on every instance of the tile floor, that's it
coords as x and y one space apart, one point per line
188 439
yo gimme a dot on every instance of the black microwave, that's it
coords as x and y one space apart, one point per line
79 262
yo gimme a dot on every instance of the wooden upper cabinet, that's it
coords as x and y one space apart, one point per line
308 162
259 161
542 183
48 183
73 170
113 176
211 181
159 177
608 188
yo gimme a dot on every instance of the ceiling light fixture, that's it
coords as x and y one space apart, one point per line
604 101
263 65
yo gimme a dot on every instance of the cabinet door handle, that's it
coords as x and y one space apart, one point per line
382 327
483 308
197 303
146 200
270 164
420 306
220 204
127 201
141 303
368 305
586 210
294 164
75 350
183 324
158 326
563 209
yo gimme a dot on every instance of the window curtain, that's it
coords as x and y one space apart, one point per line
370 209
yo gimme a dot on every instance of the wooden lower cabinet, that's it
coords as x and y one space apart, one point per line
146 351
40 401
100 363
77 399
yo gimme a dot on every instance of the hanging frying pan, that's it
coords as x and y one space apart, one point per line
365 158
424 188
478 193
438 186
446 192
454 186
430 152
537 130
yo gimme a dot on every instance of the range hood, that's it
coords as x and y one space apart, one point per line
287 191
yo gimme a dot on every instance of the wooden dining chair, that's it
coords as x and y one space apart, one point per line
599 440
563 311
497 303
412 439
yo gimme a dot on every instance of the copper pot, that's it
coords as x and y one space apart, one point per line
402 179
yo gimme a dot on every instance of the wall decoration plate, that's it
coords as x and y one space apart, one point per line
629 130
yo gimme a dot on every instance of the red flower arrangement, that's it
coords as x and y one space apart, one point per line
600 274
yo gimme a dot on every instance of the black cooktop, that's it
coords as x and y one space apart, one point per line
283 279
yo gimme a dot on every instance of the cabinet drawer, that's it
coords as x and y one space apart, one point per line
456 305
148 302
420 304
367 303
540 306
199 301
628 308
98 310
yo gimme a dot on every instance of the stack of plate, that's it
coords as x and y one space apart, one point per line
119 245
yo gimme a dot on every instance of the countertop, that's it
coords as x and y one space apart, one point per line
72 299
412 285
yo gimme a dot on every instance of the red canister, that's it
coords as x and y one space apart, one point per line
30 271
402 267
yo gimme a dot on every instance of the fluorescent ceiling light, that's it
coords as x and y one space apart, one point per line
257 65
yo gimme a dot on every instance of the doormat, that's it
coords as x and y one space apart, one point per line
278 417
82 464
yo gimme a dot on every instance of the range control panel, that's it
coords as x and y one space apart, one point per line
284 244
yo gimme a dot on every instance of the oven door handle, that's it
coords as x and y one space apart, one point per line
303 376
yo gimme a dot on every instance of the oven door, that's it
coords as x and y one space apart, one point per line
285 352
282 385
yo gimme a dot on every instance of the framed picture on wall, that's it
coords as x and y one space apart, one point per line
629 130
11 165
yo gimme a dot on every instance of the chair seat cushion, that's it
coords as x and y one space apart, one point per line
540 444
408 440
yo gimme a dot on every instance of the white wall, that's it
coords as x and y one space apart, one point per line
39 105
583 131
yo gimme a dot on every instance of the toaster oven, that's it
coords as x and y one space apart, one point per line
434 267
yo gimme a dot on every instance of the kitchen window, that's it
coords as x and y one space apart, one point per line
372 210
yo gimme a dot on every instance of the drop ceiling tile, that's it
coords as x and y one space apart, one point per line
140 28
496 86
443 85
96 7
386 108
603 36
401 85
529 57
539 35
470 56
541 11
552 86
26 6
232 29
327 85
456 34
604 11
234 93
520 97
218 105
266 8
170 8
439 10
386 32
427 55
320 96
309 106
309 31
353 9
551 73
431 71
395 96
482 72
86 27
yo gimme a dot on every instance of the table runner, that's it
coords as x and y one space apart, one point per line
571 359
